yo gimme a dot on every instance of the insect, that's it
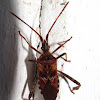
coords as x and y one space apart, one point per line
47 66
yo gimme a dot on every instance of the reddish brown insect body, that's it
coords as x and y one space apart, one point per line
47 67
48 79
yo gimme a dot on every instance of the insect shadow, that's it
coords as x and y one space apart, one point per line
31 69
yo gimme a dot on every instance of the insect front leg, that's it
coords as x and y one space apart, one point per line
72 79
28 43
60 56
61 45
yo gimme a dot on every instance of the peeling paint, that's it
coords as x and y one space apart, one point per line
27 3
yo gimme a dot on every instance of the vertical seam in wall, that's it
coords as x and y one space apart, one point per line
40 17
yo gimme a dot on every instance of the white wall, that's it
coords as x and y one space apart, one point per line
79 20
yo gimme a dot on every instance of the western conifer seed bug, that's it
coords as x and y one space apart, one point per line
47 66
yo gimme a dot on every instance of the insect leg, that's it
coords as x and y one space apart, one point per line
72 79
61 45
55 21
28 43
63 58
67 83
32 60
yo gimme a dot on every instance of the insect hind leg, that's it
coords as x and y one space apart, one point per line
67 83
72 79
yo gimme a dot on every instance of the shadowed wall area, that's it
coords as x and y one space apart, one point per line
8 49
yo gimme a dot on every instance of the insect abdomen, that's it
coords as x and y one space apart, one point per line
50 91
48 81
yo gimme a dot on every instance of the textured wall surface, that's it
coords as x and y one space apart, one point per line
80 19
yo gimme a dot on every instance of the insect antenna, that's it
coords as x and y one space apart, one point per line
55 21
28 26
